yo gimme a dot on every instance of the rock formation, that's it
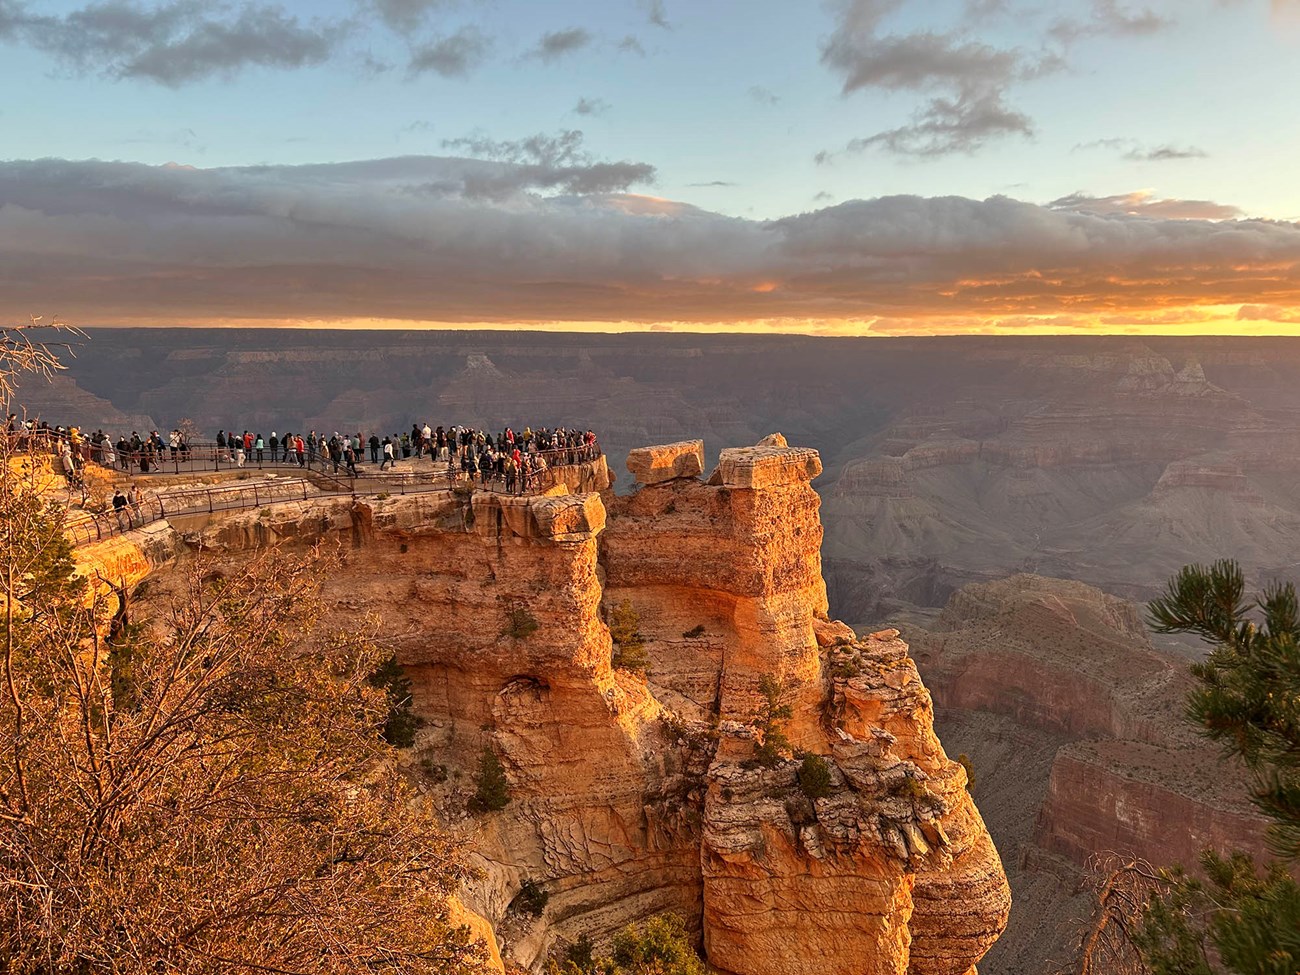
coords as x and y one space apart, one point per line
633 793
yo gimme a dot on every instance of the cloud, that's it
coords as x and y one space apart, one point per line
630 45
548 150
454 56
1269 313
655 14
1165 153
542 162
1109 19
405 16
403 239
591 106
948 125
1134 151
968 81
917 61
982 10
554 45
173 43
713 182
1145 203
764 96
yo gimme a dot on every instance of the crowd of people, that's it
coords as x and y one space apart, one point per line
513 461
508 460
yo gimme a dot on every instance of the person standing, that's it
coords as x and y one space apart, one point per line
119 510
133 501
374 448
388 454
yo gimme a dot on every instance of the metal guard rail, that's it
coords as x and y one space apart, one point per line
204 456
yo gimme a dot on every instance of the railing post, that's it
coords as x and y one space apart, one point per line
256 503
208 492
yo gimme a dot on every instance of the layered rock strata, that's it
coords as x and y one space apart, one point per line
634 793
1074 724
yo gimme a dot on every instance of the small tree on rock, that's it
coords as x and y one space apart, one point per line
770 720
493 788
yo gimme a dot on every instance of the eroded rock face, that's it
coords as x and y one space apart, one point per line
890 871
634 794
1074 723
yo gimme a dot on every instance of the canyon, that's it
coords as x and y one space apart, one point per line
1109 460
1005 504
1072 722
635 792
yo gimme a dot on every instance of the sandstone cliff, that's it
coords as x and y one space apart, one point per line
635 793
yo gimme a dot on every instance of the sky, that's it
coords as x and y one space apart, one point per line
871 167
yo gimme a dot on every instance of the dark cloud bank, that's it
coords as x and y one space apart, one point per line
476 239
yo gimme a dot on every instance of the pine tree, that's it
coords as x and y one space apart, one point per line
1234 918
1248 698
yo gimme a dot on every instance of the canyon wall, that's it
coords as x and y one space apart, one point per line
633 793
1074 725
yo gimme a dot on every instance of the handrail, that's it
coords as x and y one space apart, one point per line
205 455
227 496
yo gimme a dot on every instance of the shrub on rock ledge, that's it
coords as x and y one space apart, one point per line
493 789
815 777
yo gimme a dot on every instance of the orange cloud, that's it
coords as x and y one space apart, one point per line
386 241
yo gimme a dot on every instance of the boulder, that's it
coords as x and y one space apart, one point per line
560 518
667 462
766 466
831 632
571 517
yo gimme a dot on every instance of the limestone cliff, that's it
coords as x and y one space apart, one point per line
633 793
